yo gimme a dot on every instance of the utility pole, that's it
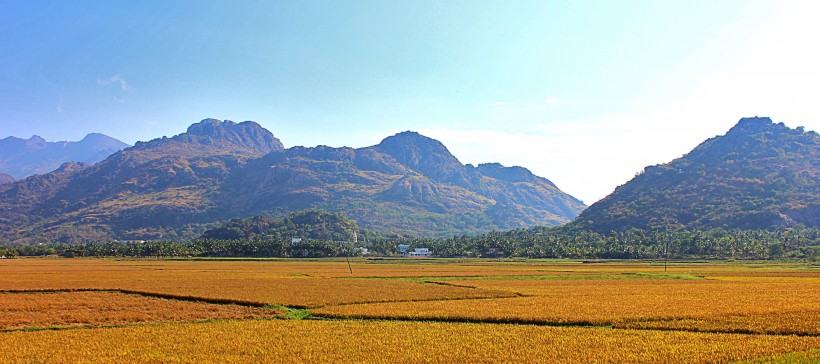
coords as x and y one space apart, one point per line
355 240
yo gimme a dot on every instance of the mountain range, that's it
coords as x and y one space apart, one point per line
219 170
20 158
759 175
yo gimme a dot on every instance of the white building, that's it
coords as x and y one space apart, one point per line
420 253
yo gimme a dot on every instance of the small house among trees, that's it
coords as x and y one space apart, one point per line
420 253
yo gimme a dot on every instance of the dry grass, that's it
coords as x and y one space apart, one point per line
269 282
386 342
785 305
64 309
795 322
748 298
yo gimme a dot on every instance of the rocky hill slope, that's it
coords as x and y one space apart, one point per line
219 170
757 176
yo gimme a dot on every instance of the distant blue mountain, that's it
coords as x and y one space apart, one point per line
21 158
6 178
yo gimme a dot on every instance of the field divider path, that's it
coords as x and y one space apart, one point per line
537 322
720 331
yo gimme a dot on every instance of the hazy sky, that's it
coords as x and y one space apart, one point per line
585 93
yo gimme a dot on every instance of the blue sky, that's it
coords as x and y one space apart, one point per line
585 93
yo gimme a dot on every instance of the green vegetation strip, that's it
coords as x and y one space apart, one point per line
291 313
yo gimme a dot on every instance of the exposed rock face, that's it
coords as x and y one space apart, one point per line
246 134
215 137
757 176
425 155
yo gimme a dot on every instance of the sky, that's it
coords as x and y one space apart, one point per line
584 93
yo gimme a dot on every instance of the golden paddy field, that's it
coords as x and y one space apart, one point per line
283 311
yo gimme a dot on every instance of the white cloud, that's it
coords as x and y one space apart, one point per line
554 100
588 158
585 166
115 80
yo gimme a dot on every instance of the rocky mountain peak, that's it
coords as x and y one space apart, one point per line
6 178
33 143
213 136
752 125
425 155
99 141
412 139
211 127
36 140
409 148
92 137
246 133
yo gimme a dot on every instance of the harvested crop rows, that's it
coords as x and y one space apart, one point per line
387 342
297 285
153 310
69 309
787 306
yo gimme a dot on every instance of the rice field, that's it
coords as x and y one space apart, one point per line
784 306
299 284
79 309
106 310
387 342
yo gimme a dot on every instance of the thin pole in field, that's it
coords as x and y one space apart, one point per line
355 240
348 263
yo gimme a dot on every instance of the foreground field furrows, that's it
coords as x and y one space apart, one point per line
137 311
70 309
385 342
784 306
797 323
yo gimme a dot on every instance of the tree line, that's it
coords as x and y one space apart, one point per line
540 242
